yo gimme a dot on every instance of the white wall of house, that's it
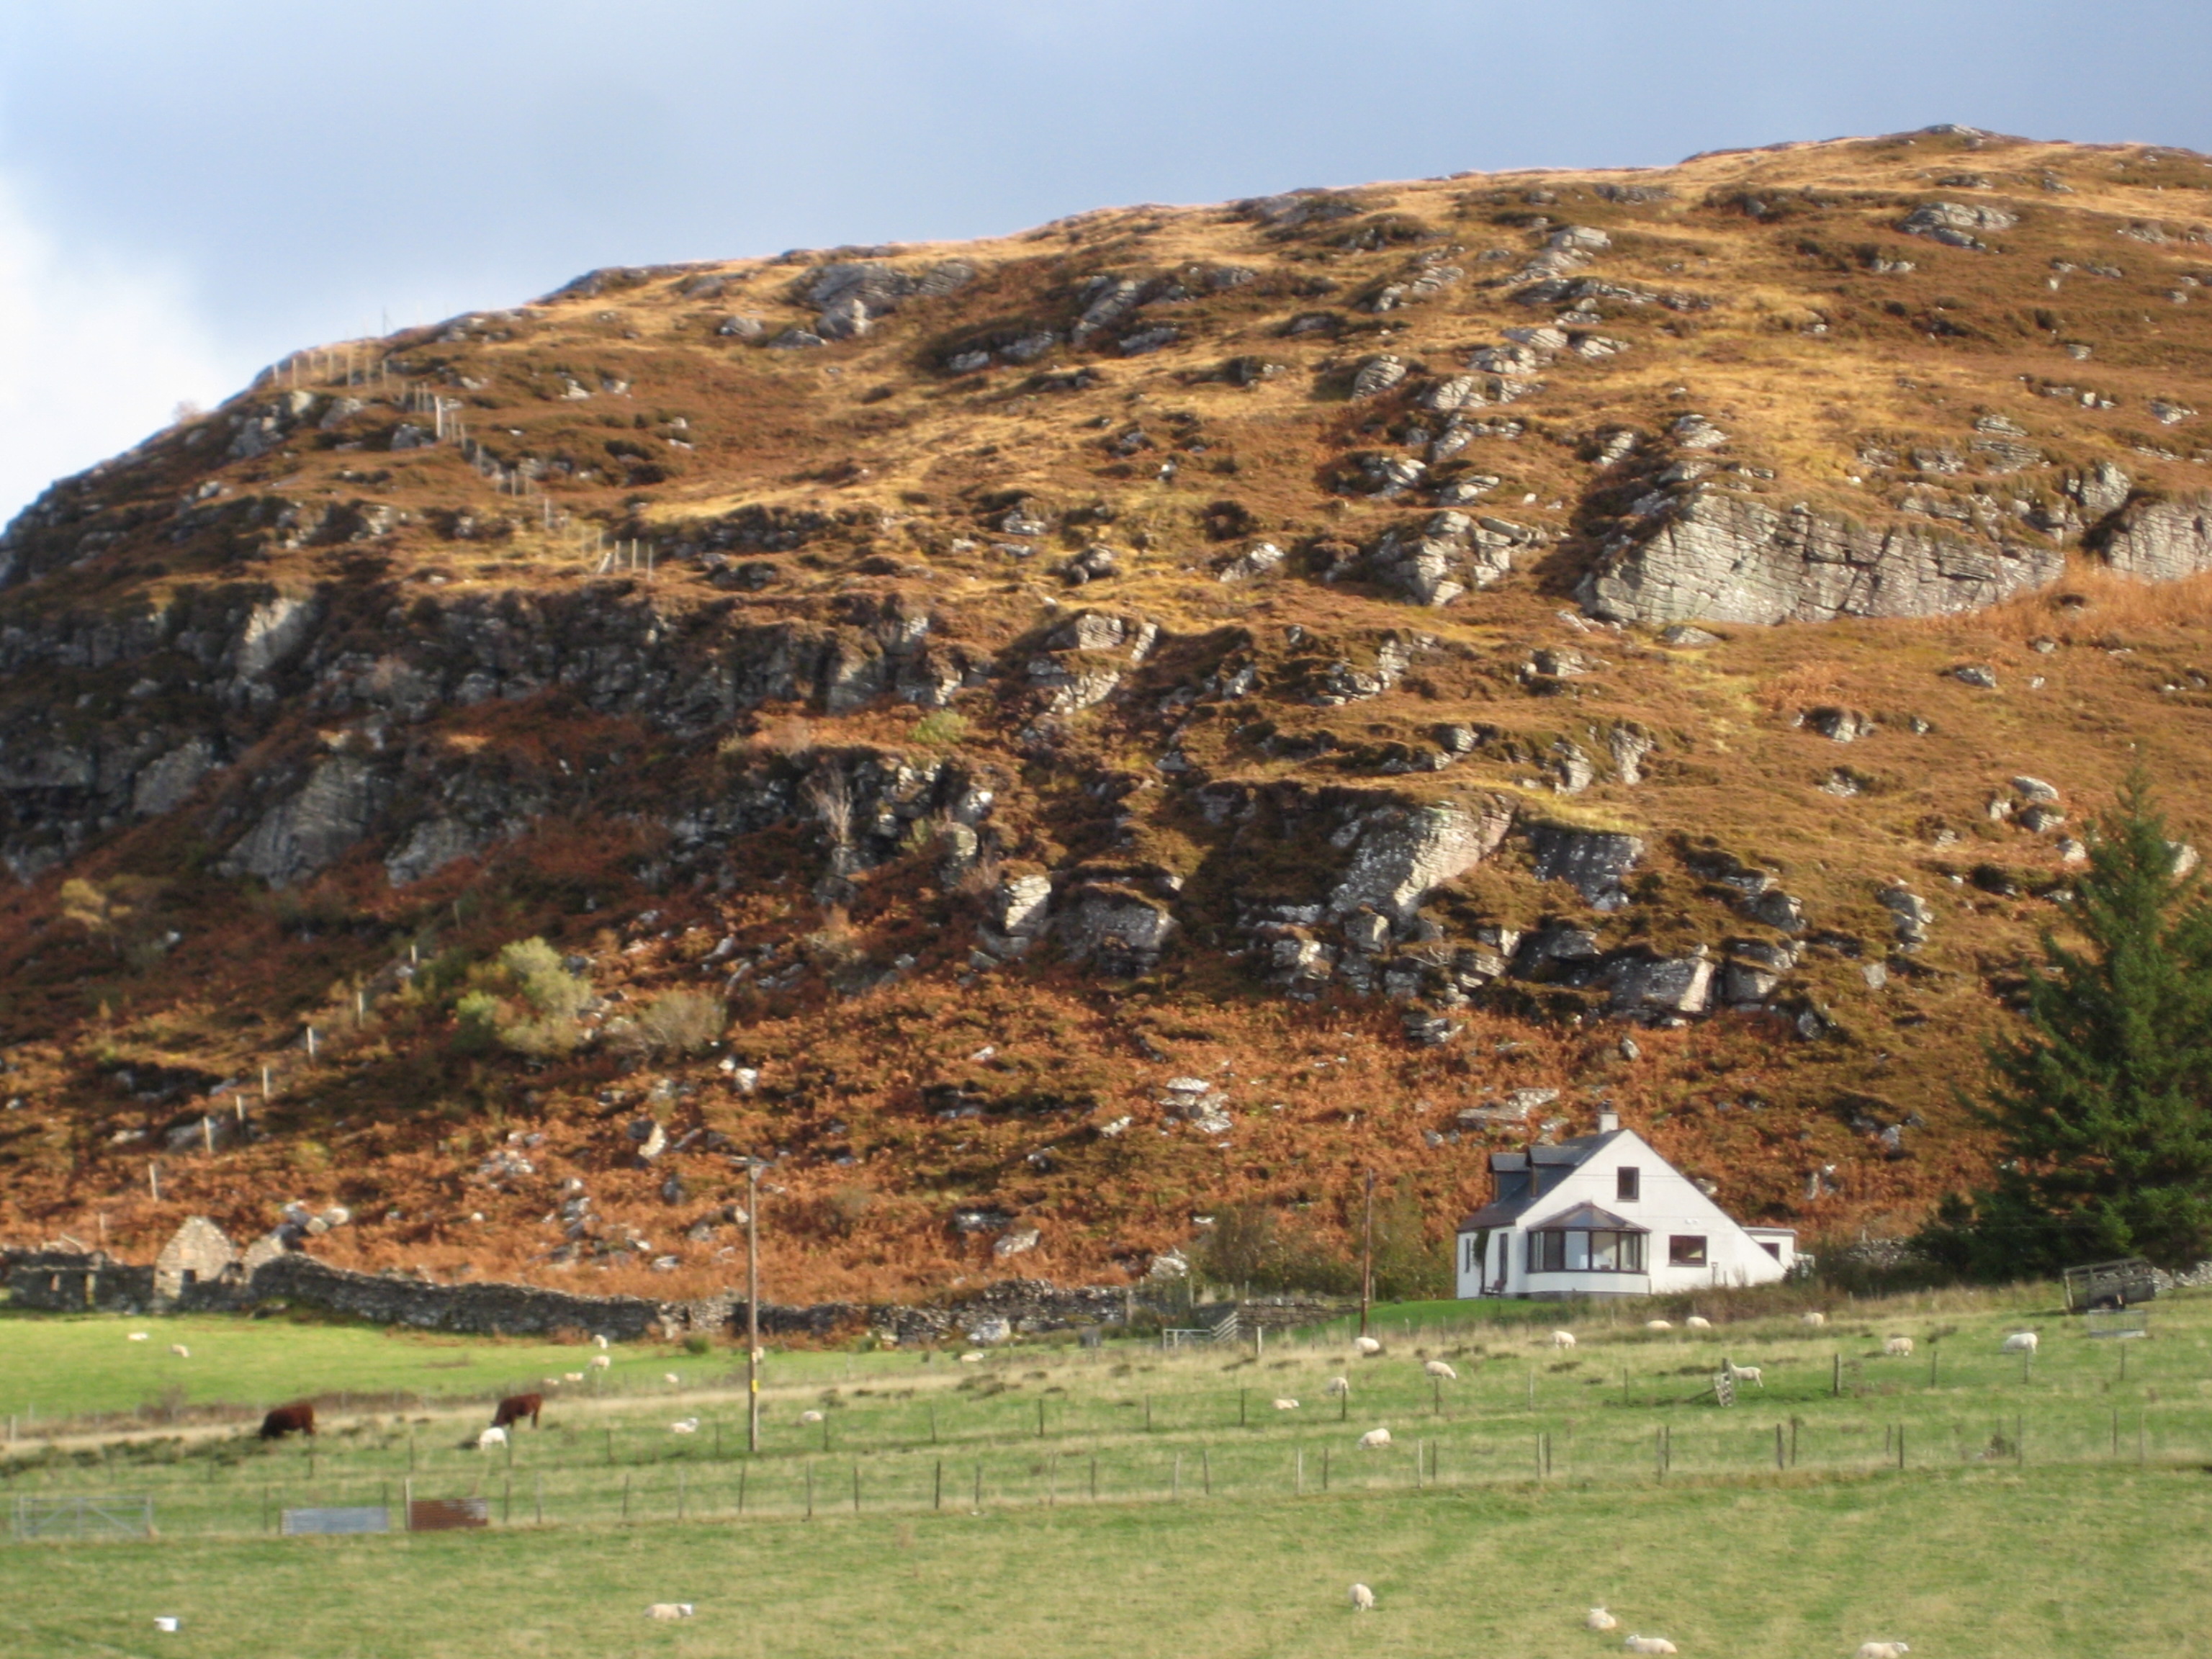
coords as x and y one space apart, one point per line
1691 1243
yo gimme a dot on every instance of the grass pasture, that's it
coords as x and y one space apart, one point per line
1990 1507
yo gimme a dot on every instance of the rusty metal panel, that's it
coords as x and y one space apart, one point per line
447 1514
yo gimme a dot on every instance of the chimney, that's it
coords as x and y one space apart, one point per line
1607 1120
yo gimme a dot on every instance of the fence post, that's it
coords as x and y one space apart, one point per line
1040 1416
978 1489
856 1488
810 1492
1243 1408
1324 1468
1777 1446
1900 1445
1836 1374
937 1487
1148 1413
2019 1439
932 1422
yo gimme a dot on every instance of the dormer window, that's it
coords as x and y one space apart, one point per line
1627 1184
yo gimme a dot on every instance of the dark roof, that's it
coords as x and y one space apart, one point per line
1588 1217
1552 1161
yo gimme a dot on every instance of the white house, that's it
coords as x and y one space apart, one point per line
1605 1215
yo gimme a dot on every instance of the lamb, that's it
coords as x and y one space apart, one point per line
810 1417
1438 1368
1649 1644
491 1437
1366 1344
1363 1599
1286 1405
1599 1618
2021 1342
1898 1347
598 1342
688 1425
1563 1339
180 1351
600 1362
1883 1650
1375 1440
1699 1322
137 1336
1813 1321
572 1377
1658 1324
669 1610
671 1378
1340 1385
1736 1373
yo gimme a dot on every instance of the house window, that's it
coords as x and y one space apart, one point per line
1686 1250
1585 1251
1772 1248
1625 1184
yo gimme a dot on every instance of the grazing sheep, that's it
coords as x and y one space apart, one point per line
1366 1344
1340 1385
598 1342
1286 1405
1599 1618
491 1437
1649 1644
1438 1368
572 1377
1563 1339
1883 1650
1898 1347
1375 1440
1699 1322
1813 1321
2021 1342
1363 1599
600 1362
971 1358
810 1417
180 1351
669 1610
137 1336
671 1378
1658 1324
688 1425
1736 1373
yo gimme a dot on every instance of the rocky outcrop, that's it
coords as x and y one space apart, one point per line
2160 541
1718 559
1399 855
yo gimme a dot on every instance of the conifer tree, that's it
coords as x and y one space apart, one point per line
2104 1102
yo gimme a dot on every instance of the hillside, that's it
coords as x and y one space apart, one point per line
1377 657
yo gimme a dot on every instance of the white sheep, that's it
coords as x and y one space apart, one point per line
688 1425
810 1417
1736 1373
600 1362
180 1351
1375 1440
1699 1322
1898 1347
1366 1344
971 1358
550 1381
491 1437
572 1377
1883 1650
669 1610
1563 1339
1438 1368
137 1336
1599 1618
1813 1321
1649 1644
1658 1324
671 1378
598 1342
1363 1599
1286 1405
2021 1342
1340 1385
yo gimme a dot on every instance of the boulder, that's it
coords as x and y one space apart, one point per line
1591 861
2161 541
1120 931
1956 222
1645 985
1402 853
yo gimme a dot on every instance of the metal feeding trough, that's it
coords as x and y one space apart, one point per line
2103 1285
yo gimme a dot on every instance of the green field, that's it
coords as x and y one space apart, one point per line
2051 1507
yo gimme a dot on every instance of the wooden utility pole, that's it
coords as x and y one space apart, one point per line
752 1305
1367 1256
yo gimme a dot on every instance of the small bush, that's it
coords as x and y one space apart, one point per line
942 729
696 1345
680 1022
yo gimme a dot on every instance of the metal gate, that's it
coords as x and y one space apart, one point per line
83 1515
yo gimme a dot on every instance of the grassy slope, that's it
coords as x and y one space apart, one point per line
392 1117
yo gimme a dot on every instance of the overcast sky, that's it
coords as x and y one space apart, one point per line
189 189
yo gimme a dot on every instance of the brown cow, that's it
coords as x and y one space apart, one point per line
515 1407
298 1418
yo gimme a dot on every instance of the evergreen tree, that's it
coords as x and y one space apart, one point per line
2104 1102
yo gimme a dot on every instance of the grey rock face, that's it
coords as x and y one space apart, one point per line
1402 853
1956 222
1377 374
2160 541
1591 861
1629 744
164 784
1120 931
1662 985
313 828
1722 559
